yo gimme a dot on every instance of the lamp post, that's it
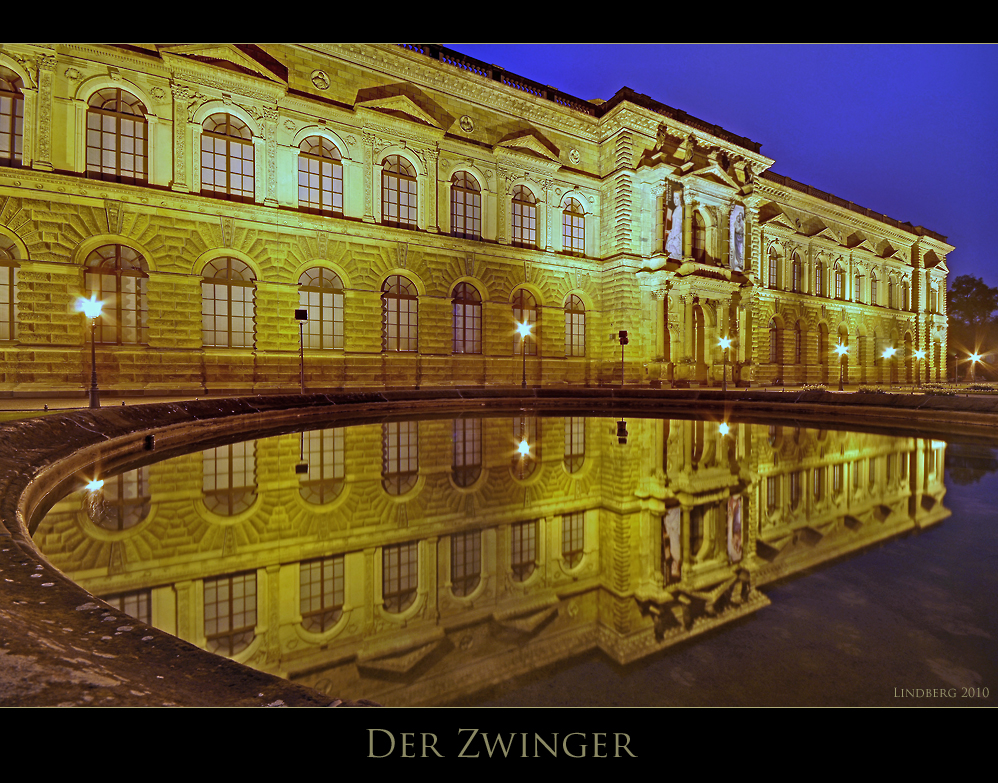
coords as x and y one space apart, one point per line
622 336
974 359
725 343
301 315
523 329
842 351
91 309
919 355
888 354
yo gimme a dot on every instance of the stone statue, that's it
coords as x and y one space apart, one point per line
737 259
674 245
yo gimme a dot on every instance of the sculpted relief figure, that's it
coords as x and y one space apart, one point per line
738 238
674 244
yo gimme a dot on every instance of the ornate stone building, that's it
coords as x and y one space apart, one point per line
417 204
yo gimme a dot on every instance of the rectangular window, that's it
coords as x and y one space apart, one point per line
573 537
230 612
465 562
321 593
524 550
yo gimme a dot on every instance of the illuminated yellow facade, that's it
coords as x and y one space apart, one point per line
417 203
437 560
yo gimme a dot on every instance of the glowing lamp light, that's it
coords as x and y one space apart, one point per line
524 449
889 352
723 429
95 485
841 349
91 307
919 354
523 329
975 357
725 343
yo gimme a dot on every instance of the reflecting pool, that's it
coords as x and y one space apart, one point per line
550 560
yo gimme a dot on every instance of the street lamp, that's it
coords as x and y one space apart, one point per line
974 359
523 329
91 309
301 315
919 355
842 351
887 354
725 343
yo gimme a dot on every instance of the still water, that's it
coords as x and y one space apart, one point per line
550 560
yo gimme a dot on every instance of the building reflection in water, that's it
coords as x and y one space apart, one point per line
416 562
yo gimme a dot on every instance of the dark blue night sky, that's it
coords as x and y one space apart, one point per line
909 131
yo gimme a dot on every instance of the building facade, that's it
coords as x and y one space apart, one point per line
418 205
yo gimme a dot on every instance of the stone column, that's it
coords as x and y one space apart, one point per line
368 164
46 74
270 132
181 97
689 202
432 161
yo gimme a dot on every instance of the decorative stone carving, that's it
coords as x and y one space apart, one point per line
466 123
737 238
574 156
72 74
674 241
320 80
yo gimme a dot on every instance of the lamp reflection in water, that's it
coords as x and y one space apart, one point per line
725 343
919 355
91 309
94 501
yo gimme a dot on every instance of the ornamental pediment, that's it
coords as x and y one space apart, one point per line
931 261
858 241
712 172
243 58
829 234
399 106
529 143
772 215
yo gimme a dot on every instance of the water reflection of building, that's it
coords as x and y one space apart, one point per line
439 557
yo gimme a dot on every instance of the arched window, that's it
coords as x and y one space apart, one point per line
575 327
574 228
8 289
323 451
399 576
795 274
524 550
398 193
873 288
467 308
117 276
798 344
858 288
891 302
321 593
818 482
699 238
227 158
320 292
134 604
795 489
465 206
775 349
905 296
774 265
227 309
524 311
399 456
11 118
320 177
466 465
230 612
934 300
228 481
575 443
819 279
465 562
117 137
399 315
573 538
524 217
840 283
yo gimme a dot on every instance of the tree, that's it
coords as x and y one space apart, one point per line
971 302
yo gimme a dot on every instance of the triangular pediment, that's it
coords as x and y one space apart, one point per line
858 241
829 234
399 104
528 142
400 663
243 58
931 261
776 217
714 173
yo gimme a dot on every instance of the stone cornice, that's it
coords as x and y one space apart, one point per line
149 65
205 75
446 79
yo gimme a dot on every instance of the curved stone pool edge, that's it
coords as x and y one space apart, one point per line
61 646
